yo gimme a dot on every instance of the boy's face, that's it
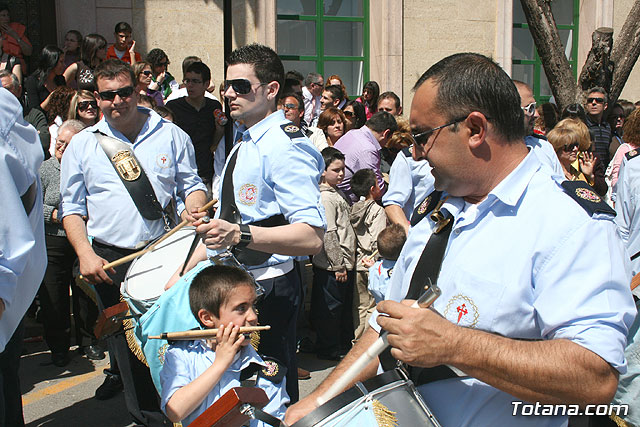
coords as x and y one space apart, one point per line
376 192
239 308
334 173
123 40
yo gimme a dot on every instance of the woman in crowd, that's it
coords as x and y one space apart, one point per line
71 48
46 78
14 40
332 123
162 80
57 111
571 140
11 64
548 117
337 81
631 142
355 115
84 107
54 292
369 98
92 53
143 73
400 139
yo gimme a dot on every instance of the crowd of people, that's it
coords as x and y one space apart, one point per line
353 188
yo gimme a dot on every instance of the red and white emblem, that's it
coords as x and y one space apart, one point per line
163 160
462 311
586 194
248 194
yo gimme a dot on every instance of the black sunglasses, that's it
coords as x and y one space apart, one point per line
147 72
110 95
84 105
597 100
348 113
240 86
570 147
422 137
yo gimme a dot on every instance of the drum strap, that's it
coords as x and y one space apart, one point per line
428 268
229 212
135 180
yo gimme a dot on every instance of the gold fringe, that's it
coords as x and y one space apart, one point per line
132 342
619 421
384 416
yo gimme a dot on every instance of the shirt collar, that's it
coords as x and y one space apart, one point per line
153 120
256 131
245 357
366 131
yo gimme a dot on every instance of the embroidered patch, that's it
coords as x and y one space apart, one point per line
161 351
291 129
632 153
271 370
126 165
163 160
424 205
248 194
462 311
586 194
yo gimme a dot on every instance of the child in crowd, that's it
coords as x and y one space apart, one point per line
390 242
333 275
368 220
197 372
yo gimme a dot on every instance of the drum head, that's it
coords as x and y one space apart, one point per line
148 274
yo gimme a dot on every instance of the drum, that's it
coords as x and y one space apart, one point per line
147 274
388 399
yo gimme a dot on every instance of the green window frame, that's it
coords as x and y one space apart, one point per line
320 58
538 70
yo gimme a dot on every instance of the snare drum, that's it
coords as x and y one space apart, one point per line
147 274
388 399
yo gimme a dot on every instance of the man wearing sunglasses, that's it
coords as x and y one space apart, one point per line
270 207
595 106
293 107
91 186
534 307
537 143
312 93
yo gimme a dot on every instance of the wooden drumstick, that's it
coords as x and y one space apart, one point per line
426 299
372 256
152 247
203 333
635 281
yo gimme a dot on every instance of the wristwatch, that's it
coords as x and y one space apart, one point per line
245 236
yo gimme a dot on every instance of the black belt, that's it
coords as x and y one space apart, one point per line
29 198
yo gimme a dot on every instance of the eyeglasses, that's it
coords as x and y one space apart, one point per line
194 81
348 113
290 106
422 137
597 100
570 147
147 72
84 105
530 109
110 95
240 86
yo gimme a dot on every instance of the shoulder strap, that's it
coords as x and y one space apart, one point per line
407 151
586 197
133 177
427 205
632 154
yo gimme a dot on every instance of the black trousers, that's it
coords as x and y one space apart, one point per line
141 396
279 309
331 311
10 394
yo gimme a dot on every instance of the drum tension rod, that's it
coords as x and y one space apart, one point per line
258 414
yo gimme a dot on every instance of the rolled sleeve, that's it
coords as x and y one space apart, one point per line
400 183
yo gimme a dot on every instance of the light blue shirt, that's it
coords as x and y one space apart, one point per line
527 262
410 182
627 201
187 360
545 153
380 278
89 184
23 256
274 175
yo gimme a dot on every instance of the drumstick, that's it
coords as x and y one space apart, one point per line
372 256
203 333
150 248
426 299
635 281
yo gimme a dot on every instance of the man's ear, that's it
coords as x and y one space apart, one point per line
207 318
272 90
477 124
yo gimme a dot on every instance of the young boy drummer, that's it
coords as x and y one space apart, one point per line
196 373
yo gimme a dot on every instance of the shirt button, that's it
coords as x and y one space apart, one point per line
457 231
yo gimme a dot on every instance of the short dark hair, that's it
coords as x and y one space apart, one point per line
123 27
111 68
146 100
200 68
211 288
574 111
265 62
390 241
382 121
468 82
298 98
390 95
294 75
91 44
599 90
188 61
331 154
156 56
336 91
362 181
289 84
